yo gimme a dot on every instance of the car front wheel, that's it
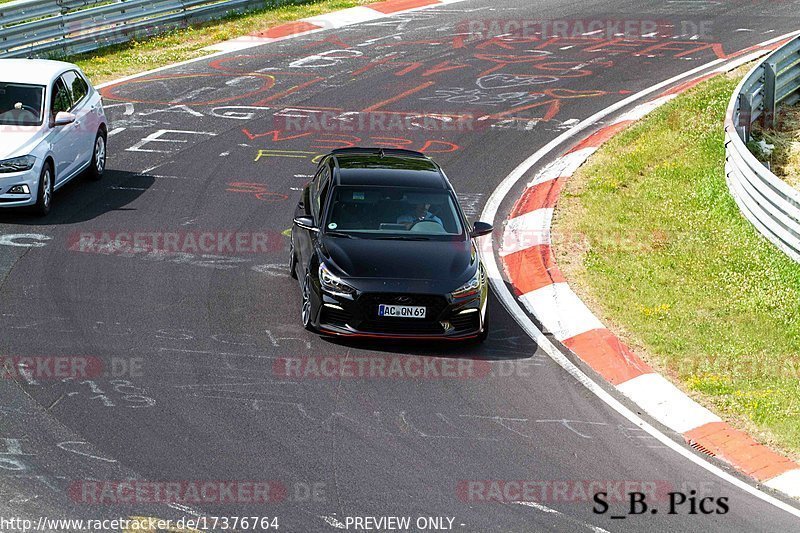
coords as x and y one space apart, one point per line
307 309
44 196
98 165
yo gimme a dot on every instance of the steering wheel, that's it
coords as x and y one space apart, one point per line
30 109
427 226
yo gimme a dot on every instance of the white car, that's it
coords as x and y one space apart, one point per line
52 128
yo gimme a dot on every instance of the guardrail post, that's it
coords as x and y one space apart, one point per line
770 79
745 112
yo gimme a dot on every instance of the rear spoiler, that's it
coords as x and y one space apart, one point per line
379 151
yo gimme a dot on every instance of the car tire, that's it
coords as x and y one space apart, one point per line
307 307
99 152
44 194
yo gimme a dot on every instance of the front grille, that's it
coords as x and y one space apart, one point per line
407 326
435 306
335 317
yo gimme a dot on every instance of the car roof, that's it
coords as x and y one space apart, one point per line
32 71
385 167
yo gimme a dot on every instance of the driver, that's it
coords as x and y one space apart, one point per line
420 213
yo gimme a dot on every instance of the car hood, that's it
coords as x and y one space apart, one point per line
19 140
399 259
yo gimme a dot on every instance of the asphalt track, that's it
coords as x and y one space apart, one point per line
208 403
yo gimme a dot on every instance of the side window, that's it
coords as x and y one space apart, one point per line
61 100
323 194
313 187
76 85
319 193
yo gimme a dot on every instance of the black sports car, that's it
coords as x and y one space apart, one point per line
382 249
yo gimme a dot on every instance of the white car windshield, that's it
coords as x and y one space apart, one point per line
20 104
378 211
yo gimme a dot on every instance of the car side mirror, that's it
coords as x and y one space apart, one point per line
306 223
480 229
63 118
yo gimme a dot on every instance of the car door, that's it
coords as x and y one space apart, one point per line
309 206
85 129
62 138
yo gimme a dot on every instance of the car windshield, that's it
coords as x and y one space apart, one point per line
393 212
21 105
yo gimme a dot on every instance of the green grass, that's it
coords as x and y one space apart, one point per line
648 234
131 58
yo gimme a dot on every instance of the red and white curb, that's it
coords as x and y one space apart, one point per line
332 20
541 288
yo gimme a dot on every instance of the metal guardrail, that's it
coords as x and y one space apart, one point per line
768 202
58 28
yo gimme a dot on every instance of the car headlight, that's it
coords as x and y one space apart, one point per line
17 164
333 284
471 287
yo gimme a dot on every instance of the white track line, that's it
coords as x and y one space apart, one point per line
574 521
513 307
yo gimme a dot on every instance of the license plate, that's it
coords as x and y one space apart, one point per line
401 311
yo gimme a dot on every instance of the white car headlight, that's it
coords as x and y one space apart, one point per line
17 164
332 283
471 287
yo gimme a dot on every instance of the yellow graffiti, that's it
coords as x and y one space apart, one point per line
283 153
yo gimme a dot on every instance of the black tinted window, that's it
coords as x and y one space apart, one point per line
61 98
320 193
393 210
76 84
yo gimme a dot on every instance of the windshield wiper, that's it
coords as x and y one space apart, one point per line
339 234
404 238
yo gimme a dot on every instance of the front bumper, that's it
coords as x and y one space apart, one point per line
446 318
11 179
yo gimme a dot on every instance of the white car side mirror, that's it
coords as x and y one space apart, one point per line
63 118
